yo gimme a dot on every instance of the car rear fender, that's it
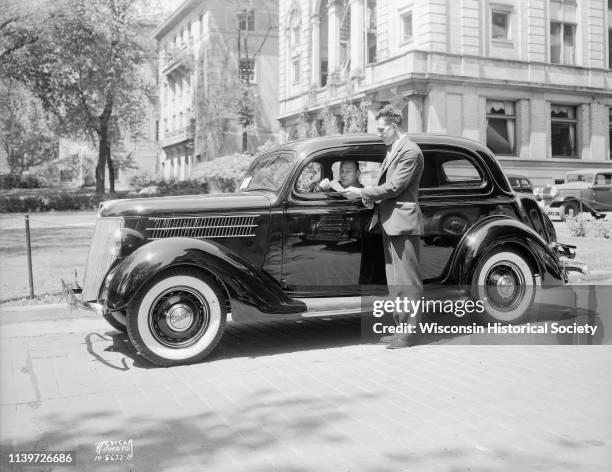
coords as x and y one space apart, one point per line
242 280
495 232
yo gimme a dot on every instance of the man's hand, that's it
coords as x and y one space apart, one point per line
352 193
324 185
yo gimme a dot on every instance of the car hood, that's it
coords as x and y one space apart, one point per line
187 204
573 186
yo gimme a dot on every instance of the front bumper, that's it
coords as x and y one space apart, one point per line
567 253
74 298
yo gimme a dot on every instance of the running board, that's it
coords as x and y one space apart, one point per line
334 306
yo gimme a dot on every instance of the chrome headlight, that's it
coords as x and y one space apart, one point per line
123 241
554 192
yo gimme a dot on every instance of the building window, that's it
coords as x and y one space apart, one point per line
247 71
562 43
295 39
246 20
499 24
610 132
295 71
406 26
371 31
610 49
324 73
563 130
501 127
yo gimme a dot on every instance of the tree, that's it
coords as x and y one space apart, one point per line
84 66
247 103
228 98
28 134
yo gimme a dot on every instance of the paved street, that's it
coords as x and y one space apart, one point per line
303 396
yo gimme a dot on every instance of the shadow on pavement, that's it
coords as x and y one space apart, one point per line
257 339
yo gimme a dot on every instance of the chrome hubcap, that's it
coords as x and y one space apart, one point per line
505 286
180 317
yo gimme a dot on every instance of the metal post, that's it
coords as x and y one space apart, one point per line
29 254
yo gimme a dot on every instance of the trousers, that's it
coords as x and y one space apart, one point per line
403 270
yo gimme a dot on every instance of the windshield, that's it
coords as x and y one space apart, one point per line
579 178
268 173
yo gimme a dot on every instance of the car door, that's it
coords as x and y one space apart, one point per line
455 192
602 191
327 250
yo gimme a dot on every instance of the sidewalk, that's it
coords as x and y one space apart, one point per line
302 396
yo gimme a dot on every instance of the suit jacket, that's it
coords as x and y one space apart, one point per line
397 191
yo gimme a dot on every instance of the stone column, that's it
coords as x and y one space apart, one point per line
414 99
372 108
333 37
315 22
357 37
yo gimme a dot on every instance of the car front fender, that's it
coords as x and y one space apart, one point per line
242 280
496 232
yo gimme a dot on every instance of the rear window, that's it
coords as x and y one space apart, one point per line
584 177
460 171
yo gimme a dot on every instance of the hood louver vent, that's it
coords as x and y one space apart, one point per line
202 227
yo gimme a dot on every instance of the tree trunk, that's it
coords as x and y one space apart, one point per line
104 151
101 166
111 173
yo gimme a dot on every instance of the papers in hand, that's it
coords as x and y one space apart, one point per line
337 186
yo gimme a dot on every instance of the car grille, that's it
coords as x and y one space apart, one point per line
202 227
99 260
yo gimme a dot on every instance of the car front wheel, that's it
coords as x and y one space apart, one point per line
505 284
177 318
117 320
568 209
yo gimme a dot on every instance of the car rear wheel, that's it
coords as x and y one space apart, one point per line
505 283
117 320
568 209
177 318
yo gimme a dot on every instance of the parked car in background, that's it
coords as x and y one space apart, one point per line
588 190
520 183
169 270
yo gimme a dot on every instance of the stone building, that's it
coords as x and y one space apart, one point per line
530 78
204 46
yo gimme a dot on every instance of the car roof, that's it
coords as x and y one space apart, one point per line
517 176
307 146
588 171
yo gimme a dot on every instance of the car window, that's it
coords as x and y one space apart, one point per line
603 179
525 183
586 177
268 173
369 173
460 170
309 177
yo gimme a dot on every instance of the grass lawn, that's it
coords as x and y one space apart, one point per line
56 252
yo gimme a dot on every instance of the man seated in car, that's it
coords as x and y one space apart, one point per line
349 177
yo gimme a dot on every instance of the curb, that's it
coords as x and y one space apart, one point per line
598 275
52 306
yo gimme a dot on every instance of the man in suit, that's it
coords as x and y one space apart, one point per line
397 211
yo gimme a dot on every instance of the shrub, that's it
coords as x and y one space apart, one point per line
580 227
10 181
223 174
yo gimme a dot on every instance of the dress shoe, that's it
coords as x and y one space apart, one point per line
401 342
388 339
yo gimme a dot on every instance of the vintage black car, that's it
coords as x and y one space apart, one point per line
170 270
520 183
